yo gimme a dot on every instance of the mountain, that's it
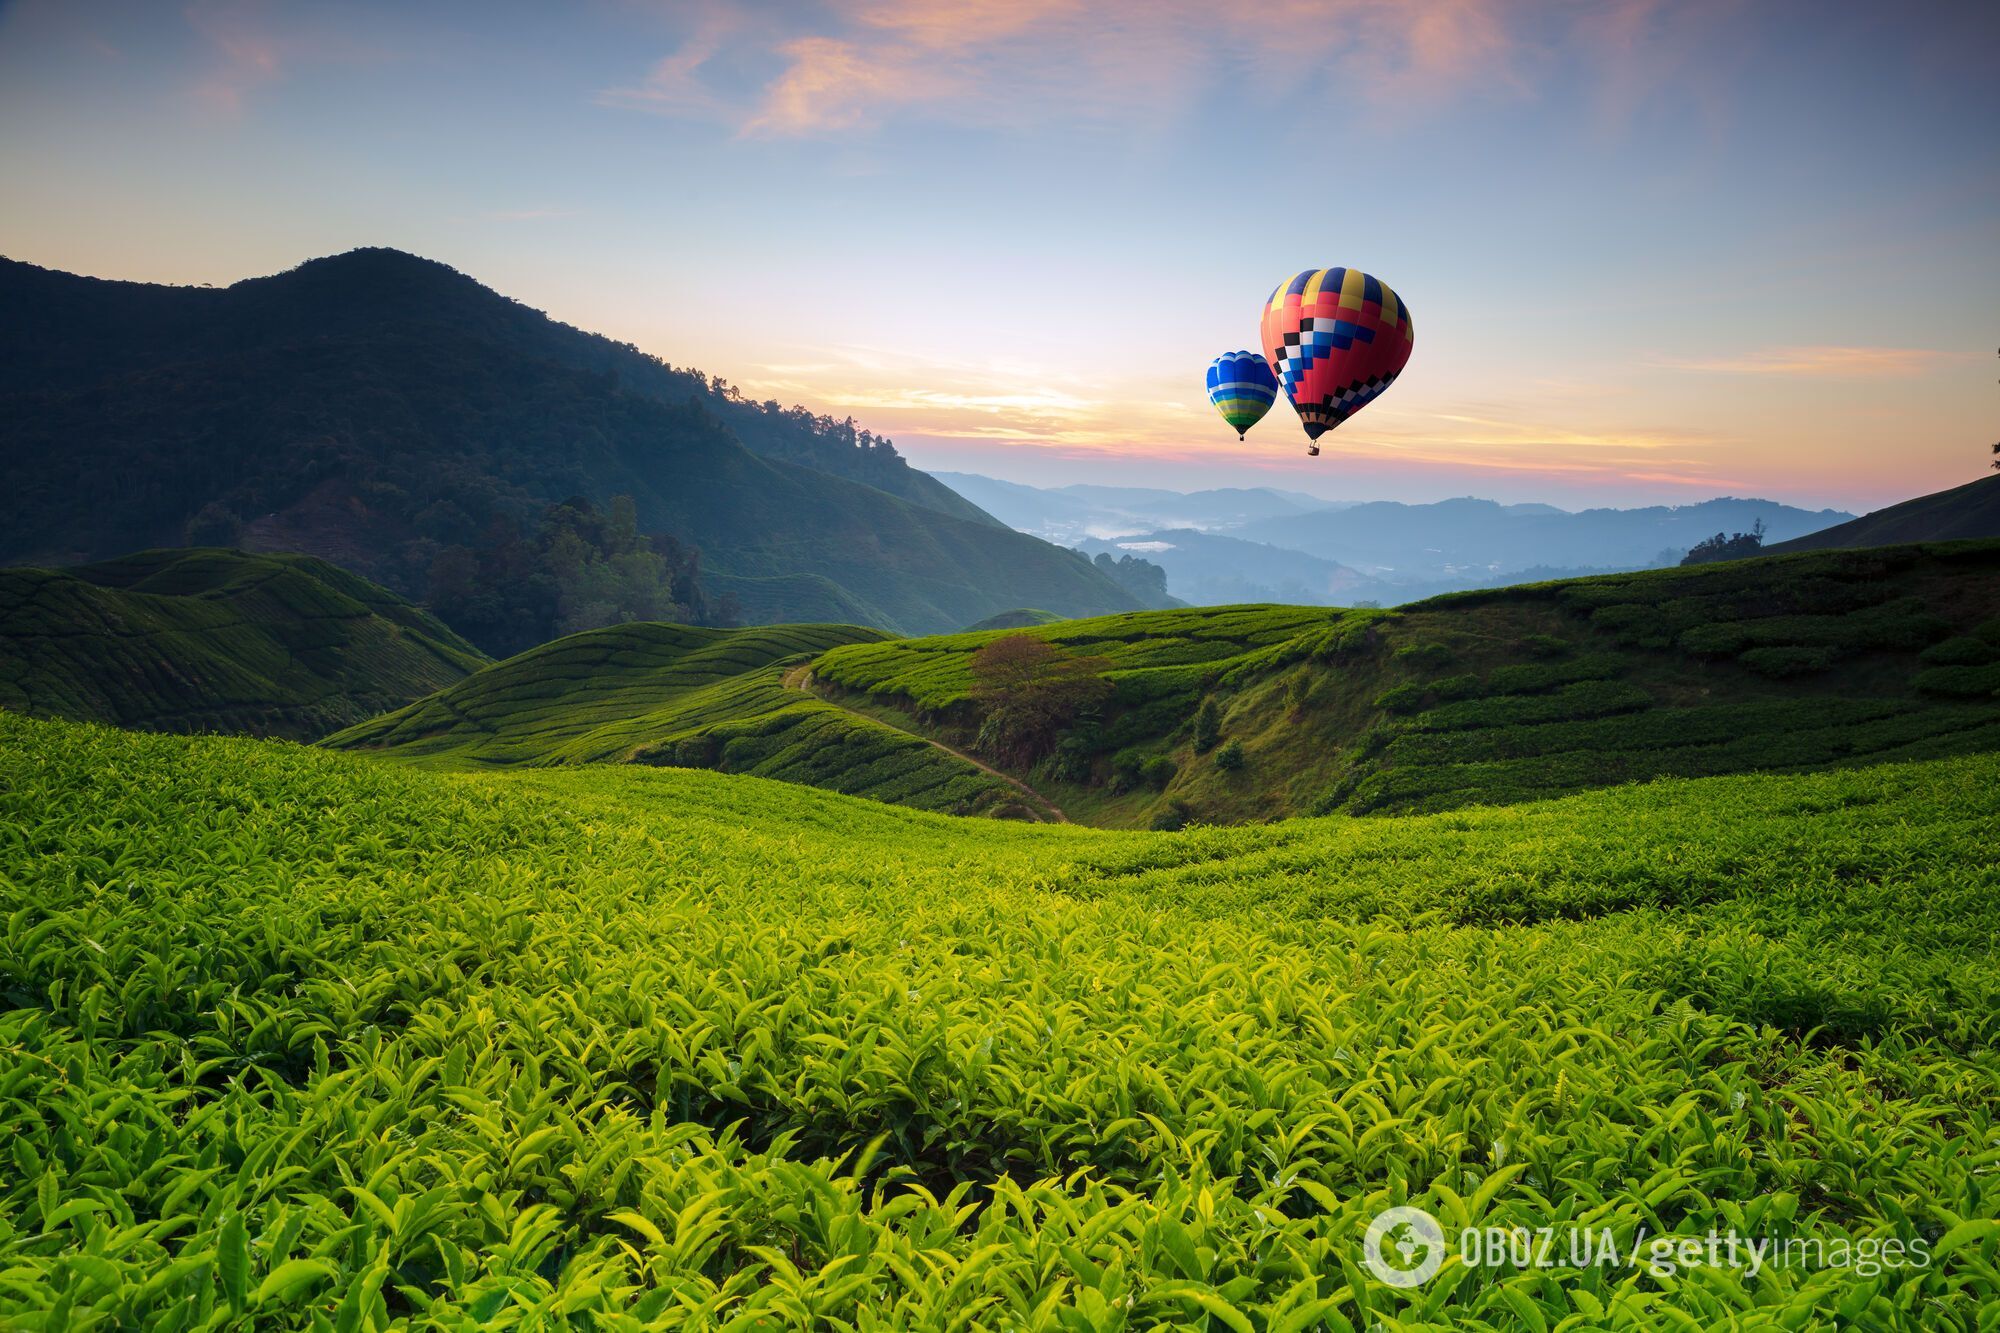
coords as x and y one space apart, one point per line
383 411
1073 514
1215 545
1471 540
1971 510
208 640
1209 569
1776 663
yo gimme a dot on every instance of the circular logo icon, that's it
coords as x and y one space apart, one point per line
1404 1246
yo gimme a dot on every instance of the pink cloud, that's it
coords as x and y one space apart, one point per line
253 47
247 56
865 62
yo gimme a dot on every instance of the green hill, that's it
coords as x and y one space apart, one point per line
1019 618
804 598
399 419
1963 512
681 696
294 1039
212 640
1779 663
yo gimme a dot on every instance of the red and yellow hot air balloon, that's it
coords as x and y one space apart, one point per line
1335 338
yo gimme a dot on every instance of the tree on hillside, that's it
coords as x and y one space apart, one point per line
1724 547
1028 690
1142 578
580 569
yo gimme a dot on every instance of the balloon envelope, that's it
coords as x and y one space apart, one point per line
1242 387
1335 338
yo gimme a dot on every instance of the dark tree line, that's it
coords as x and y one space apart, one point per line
1724 546
1146 581
579 568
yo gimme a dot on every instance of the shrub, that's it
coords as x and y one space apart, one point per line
1790 660
1071 760
685 752
1404 698
1207 726
1230 757
1546 645
1715 640
1158 771
1424 656
1961 682
1962 651
1172 817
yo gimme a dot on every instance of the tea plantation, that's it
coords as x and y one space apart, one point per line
294 1038
213 640
1783 663
685 696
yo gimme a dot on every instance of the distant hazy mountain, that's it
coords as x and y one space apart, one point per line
385 412
1208 569
1267 545
1073 514
1971 510
1475 540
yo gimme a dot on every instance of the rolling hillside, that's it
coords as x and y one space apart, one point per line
388 414
211 640
682 696
1964 512
1779 663
331 1043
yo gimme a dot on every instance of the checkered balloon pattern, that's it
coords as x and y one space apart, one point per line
1241 386
1335 338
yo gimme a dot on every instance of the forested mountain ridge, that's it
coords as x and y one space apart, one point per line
387 413
58 341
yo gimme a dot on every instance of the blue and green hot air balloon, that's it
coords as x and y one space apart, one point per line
1242 387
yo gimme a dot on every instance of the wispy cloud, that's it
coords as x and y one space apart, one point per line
253 46
1820 362
246 55
857 64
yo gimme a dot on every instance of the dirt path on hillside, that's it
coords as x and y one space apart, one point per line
798 679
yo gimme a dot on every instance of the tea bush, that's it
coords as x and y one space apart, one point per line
301 1039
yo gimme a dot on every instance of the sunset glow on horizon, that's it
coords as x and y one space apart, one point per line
1655 252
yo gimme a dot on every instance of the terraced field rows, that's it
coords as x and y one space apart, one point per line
1783 663
210 640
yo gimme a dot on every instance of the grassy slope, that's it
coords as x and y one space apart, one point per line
1963 512
212 640
683 696
451 1047
1780 663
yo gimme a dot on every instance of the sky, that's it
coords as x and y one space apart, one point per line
1655 251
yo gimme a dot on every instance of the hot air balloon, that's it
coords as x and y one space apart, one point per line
1241 386
1335 338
